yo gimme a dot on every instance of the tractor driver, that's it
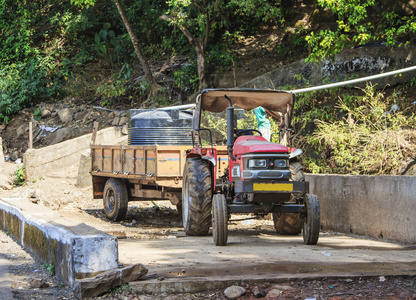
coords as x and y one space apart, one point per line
263 122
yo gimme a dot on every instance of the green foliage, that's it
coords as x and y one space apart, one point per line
120 86
105 39
374 137
36 115
21 84
187 78
357 24
19 176
257 10
49 267
127 287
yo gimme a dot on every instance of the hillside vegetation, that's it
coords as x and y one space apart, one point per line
54 50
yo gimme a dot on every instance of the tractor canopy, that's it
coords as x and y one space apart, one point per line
278 104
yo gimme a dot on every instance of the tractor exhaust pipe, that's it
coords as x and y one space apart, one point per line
230 128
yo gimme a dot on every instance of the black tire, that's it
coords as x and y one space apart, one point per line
196 197
312 222
290 223
179 209
219 220
115 199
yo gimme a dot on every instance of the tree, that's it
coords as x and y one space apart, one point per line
155 88
360 22
196 19
199 15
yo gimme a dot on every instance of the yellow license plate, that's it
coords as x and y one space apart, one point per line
285 187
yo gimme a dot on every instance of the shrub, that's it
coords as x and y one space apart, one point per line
19 176
375 137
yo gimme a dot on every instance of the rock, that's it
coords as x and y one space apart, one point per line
273 294
258 292
91 287
125 130
64 134
14 155
123 121
44 112
282 287
22 130
5 183
404 295
233 292
38 283
115 122
80 116
66 114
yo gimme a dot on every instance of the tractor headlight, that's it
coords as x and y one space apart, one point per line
257 163
280 163
235 171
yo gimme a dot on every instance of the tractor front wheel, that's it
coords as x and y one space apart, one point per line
219 220
312 222
196 197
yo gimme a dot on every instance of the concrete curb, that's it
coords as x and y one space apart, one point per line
75 249
198 284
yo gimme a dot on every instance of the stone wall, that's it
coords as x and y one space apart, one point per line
349 64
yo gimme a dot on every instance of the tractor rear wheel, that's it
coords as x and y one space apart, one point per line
115 199
290 223
219 220
312 222
196 197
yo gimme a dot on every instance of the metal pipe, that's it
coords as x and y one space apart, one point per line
185 106
331 85
230 127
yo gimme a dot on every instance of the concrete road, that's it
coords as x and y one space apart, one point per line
252 254
5 281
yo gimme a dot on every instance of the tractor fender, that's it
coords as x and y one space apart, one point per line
295 154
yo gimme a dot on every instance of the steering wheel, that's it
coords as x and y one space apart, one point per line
242 131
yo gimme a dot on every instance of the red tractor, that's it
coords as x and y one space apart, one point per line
250 174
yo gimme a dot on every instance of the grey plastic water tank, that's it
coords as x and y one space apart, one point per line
158 126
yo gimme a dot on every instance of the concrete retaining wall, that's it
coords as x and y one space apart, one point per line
76 250
46 161
375 206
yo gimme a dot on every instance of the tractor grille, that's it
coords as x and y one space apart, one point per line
270 174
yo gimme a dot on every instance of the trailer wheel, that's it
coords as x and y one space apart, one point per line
219 220
196 197
115 199
290 223
312 222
